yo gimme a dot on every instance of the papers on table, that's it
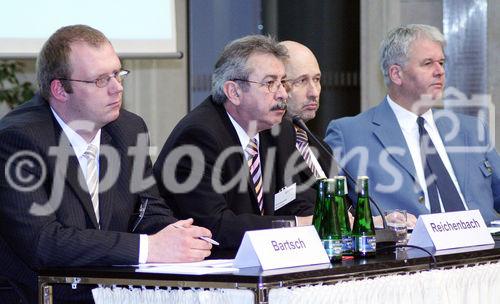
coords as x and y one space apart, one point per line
203 267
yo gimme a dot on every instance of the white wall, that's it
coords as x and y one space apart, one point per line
157 89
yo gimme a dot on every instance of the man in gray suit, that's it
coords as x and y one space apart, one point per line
419 159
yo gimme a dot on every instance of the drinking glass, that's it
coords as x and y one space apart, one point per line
396 221
283 223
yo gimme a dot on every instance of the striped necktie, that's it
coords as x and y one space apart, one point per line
92 177
302 144
253 161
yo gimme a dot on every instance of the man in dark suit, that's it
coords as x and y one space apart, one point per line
419 159
231 155
304 89
72 192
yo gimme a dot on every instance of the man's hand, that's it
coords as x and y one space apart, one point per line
304 220
377 221
179 244
411 221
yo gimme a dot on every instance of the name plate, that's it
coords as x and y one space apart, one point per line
280 248
451 230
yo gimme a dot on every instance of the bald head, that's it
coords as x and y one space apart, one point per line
302 69
300 56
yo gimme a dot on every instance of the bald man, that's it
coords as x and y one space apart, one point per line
302 70
304 87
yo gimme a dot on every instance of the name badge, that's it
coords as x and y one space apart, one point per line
451 230
280 248
285 196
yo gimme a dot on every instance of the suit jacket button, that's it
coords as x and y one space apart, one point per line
421 199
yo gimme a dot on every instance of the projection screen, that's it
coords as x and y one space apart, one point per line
137 28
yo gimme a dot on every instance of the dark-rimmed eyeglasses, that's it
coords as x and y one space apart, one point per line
272 85
103 81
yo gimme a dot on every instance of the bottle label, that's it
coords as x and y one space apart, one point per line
333 247
365 244
347 245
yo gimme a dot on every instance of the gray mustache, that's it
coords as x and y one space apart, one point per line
281 105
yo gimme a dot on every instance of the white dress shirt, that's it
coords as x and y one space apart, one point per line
245 139
243 136
408 123
80 146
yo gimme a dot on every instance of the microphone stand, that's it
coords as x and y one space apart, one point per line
385 235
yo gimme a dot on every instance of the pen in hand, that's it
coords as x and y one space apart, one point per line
142 211
205 238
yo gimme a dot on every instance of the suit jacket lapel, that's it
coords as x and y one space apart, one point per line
72 171
388 132
105 197
234 141
268 178
79 188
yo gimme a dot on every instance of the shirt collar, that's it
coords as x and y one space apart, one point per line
408 120
242 135
77 142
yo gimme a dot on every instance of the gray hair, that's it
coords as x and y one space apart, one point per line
53 60
232 62
395 47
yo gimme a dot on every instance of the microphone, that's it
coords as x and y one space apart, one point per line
385 235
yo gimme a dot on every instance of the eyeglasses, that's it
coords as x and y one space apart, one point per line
303 81
272 85
103 81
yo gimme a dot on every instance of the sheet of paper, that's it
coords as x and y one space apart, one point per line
205 263
196 270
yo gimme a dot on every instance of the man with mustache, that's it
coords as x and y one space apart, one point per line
226 160
418 158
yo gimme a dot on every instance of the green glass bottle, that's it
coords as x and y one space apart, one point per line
363 230
320 198
325 219
342 215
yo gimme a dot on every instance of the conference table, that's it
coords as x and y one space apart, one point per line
262 282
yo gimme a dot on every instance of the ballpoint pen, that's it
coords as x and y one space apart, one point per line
205 238
142 211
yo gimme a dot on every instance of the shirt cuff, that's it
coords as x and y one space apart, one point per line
143 248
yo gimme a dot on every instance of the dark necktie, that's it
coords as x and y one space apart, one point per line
255 171
436 175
